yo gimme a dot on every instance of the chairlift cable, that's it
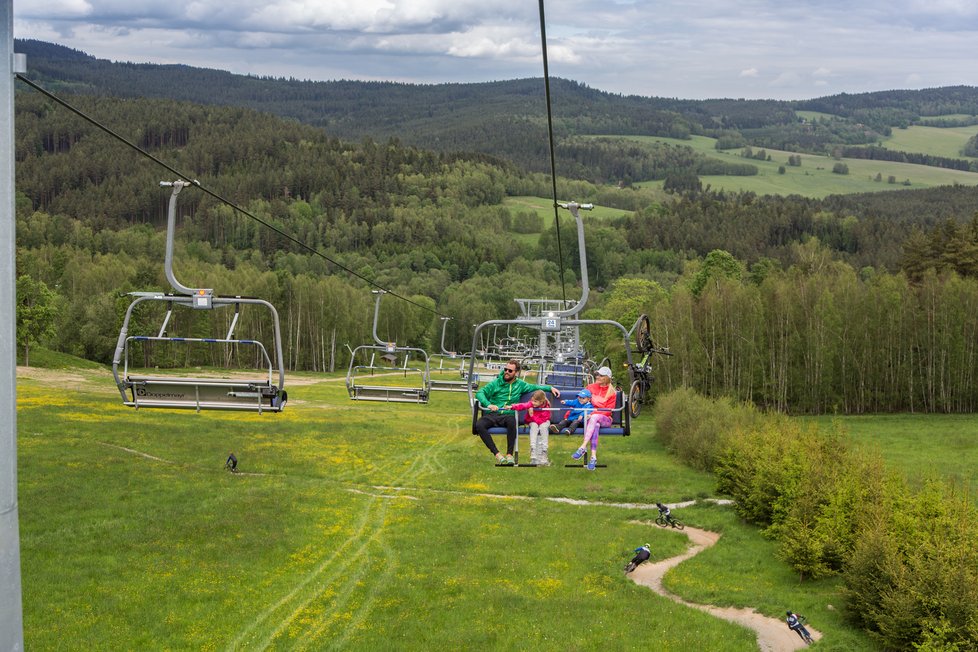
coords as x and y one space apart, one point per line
216 196
553 160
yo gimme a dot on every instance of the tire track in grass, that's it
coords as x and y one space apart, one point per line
318 582
338 571
362 525
378 581
772 634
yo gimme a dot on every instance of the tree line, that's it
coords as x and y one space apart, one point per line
506 119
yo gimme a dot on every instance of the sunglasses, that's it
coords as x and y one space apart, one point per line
510 371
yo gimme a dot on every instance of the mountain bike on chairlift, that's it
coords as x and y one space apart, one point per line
640 373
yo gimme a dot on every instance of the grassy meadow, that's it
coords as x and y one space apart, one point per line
814 178
361 526
936 141
544 207
921 446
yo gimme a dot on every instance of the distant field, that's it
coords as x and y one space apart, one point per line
814 178
936 141
814 115
543 206
922 446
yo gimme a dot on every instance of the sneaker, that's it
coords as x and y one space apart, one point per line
578 454
544 461
592 464
565 431
500 458
509 461
553 429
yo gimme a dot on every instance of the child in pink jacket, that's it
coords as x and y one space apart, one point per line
538 419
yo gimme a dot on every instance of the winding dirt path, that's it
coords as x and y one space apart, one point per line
773 634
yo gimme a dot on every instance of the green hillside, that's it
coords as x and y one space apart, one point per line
814 177
937 141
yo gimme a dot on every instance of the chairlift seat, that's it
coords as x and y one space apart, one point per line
388 394
203 393
440 385
620 421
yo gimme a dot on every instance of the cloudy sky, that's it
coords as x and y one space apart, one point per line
785 49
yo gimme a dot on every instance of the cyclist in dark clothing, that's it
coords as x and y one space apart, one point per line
665 512
797 624
642 555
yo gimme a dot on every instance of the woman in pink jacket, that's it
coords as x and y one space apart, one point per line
603 397
538 419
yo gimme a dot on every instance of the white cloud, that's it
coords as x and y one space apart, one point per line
722 49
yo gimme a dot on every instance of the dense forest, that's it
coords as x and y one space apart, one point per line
505 119
756 294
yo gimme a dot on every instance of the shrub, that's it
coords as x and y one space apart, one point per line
909 560
694 427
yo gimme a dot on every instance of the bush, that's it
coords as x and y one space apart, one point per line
695 428
909 560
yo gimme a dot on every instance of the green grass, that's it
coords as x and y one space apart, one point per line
936 141
359 526
48 359
921 446
814 178
544 207
814 115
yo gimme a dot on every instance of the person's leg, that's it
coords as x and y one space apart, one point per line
594 424
543 443
587 435
482 427
534 442
509 420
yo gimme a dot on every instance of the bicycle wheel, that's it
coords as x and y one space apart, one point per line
643 337
635 398
678 524
661 521
630 567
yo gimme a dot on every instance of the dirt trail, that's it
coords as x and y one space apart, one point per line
773 634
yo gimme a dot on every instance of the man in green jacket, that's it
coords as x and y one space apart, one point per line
505 389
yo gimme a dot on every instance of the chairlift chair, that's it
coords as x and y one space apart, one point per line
360 391
443 385
554 321
265 393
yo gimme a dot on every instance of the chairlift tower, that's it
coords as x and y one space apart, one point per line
11 613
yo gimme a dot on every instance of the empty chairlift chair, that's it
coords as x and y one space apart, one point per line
247 391
395 392
446 385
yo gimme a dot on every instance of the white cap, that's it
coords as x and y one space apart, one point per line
603 371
